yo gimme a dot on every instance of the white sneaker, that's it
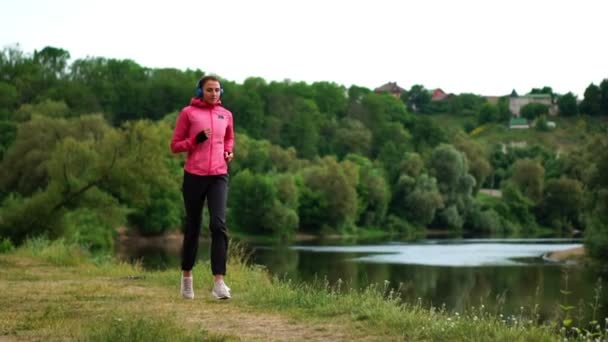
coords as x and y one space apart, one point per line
187 289
220 290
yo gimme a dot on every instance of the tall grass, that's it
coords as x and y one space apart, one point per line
376 310
144 329
57 252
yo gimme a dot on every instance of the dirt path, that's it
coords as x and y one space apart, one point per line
42 302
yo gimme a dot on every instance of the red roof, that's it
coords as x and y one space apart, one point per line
390 87
439 95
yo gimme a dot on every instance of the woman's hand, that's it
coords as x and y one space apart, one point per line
228 156
203 135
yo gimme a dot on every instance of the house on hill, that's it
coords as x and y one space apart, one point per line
439 95
391 88
516 102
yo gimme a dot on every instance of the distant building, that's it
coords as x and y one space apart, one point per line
391 88
519 123
516 102
439 95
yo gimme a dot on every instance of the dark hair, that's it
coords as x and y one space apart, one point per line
208 78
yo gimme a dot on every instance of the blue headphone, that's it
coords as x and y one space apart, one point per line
199 88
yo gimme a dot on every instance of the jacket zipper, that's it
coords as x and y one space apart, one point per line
210 138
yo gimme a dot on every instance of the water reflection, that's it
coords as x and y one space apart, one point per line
450 254
503 275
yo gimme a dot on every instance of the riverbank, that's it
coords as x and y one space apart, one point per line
572 255
53 291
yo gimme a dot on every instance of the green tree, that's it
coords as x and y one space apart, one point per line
604 97
590 104
479 166
373 192
423 202
50 108
528 175
301 130
426 134
487 113
8 96
567 105
329 196
533 110
248 107
330 98
450 167
562 202
417 98
24 167
519 207
252 195
351 136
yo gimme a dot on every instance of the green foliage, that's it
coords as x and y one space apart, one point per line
423 201
466 104
91 228
144 329
351 136
567 104
162 212
591 102
541 124
479 166
63 173
301 129
21 218
329 196
544 90
448 165
484 220
417 98
604 96
528 175
562 202
518 207
373 192
596 236
8 132
450 168
57 252
533 110
426 134
255 205
49 108
6 246
23 169
8 96
449 218
487 113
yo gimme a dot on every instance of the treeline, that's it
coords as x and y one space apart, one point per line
84 150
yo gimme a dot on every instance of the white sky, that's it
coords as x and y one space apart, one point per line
487 47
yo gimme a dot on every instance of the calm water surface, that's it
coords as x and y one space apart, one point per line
505 275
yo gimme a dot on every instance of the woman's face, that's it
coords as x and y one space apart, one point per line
211 91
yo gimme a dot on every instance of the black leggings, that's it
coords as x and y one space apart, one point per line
195 189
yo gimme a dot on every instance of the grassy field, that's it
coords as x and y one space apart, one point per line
51 291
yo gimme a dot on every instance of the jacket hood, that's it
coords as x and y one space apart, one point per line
198 102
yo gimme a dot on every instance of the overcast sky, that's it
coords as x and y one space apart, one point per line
487 47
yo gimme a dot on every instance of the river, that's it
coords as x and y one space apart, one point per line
506 276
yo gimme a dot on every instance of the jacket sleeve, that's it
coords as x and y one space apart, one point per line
180 142
229 136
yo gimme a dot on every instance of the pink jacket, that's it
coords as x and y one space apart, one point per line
206 158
